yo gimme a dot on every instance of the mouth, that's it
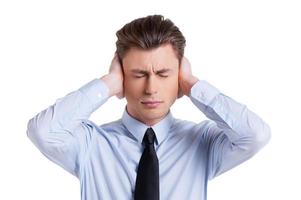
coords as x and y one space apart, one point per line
151 104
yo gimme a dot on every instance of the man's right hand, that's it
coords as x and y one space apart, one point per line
114 79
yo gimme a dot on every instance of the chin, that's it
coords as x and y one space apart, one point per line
154 114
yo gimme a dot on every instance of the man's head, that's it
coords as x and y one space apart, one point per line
150 50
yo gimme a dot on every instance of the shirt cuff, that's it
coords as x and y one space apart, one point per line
203 92
96 91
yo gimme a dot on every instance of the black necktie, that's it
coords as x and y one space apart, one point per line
147 181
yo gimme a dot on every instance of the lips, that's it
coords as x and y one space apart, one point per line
151 104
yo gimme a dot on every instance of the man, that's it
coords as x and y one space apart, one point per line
147 154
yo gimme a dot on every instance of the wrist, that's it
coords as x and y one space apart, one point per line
189 84
110 80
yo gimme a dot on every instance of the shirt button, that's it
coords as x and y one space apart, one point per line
99 95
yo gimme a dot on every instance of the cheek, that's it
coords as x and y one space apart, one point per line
173 84
132 88
172 87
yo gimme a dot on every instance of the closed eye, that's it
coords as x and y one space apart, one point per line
143 75
137 73
163 72
139 76
163 75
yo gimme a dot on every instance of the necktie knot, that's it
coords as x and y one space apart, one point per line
149 137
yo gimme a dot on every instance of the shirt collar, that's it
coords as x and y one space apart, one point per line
138 128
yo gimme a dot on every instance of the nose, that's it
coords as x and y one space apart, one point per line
151 86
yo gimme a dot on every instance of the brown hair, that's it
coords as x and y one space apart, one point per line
147 33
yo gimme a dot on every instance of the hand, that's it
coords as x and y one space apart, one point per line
186 79
114 79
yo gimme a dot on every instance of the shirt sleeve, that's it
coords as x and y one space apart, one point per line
62 131
234 133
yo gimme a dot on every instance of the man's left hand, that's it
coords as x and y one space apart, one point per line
186 79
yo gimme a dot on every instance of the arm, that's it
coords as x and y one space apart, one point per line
235 133
61 131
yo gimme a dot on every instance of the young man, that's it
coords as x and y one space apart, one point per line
147 154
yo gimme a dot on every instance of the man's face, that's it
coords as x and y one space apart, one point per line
150 82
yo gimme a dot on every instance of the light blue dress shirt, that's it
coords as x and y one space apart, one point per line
105 157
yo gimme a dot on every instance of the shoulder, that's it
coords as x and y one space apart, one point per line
181 126
184 124
191 133
114 126
106 127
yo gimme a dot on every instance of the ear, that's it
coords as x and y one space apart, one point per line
180 93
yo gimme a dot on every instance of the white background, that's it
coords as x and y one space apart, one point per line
250 50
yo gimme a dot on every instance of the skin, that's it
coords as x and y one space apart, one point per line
150 75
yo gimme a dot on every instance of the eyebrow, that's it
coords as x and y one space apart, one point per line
140 71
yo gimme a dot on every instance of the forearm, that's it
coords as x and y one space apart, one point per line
65 114
229 114
237 133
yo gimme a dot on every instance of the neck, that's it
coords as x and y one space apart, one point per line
148 122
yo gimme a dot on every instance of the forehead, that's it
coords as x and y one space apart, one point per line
162 57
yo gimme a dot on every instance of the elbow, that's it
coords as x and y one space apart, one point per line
36 132
260 139
32 131
39 125
264 136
